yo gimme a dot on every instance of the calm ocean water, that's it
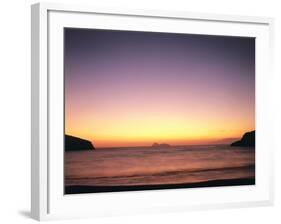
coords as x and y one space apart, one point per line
151 166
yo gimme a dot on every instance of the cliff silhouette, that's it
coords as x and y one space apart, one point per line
248 140
72 143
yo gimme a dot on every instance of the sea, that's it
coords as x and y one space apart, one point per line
148 166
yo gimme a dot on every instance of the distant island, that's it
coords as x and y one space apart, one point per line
248 140
76 144
162 145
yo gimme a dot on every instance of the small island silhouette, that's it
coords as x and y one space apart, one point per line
161 145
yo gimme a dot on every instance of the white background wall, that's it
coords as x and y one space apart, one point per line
15 111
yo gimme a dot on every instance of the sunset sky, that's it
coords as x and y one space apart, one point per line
125 88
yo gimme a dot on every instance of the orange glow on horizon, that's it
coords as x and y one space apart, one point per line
138 128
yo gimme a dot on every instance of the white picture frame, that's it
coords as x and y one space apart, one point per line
48 201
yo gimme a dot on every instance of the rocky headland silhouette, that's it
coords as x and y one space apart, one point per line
73 143
248 140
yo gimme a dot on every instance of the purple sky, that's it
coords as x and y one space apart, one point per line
126 88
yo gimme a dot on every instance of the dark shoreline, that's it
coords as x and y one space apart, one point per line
78 189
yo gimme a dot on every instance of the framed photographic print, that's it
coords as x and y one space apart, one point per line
148 111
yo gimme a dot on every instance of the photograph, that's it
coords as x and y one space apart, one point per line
157 110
